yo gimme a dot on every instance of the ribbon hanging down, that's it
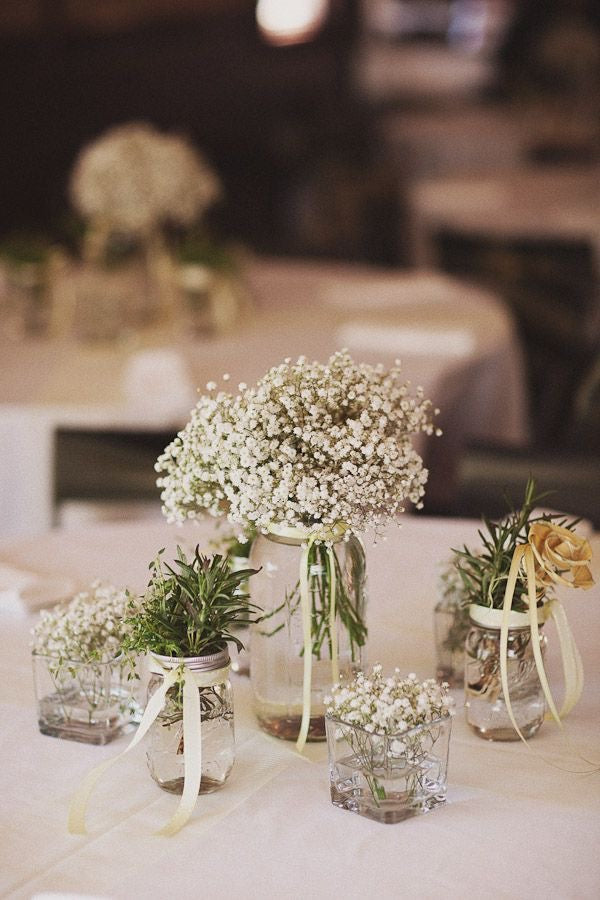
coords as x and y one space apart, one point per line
191 681
551 610
326 535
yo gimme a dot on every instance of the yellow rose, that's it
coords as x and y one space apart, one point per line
561 557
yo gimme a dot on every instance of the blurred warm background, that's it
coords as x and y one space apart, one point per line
415 179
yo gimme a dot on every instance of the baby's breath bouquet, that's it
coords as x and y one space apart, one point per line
308 457
80 673
134 179
388 743
310 445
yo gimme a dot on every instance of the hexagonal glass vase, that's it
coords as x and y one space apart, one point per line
388 778
89 702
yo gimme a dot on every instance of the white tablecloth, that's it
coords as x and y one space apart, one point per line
540 203
475 377
513 825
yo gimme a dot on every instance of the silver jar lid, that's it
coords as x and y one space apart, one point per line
205 663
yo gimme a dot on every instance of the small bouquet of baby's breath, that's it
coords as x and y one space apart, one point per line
134 179
79 668
89 628
394 731
389 705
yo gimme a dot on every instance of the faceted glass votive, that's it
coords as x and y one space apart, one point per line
88 702
388 778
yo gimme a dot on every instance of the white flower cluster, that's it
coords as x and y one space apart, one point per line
389 705
88 628
309 445
135 178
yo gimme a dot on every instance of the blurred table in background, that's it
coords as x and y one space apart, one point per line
532 236
537 203
455 341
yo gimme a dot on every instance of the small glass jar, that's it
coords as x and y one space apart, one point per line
485 705
277 658
166 753
388 778
89 702
451 625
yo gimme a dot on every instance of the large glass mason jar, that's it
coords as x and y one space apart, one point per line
166 752
484 698
277 640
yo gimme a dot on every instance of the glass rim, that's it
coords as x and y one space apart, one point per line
396 735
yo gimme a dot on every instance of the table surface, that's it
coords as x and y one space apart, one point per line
538 203
454 340
514 826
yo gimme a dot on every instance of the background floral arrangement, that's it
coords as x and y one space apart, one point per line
134 178
89 628
310 444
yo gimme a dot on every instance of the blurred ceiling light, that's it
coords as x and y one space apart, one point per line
283 22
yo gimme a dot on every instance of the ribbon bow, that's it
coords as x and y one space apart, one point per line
524 555
191 681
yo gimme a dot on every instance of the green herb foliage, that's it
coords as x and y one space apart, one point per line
484 573
190 608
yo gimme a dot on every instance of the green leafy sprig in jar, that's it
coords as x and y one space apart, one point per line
185 621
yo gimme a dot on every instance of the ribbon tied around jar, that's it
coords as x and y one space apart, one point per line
174 671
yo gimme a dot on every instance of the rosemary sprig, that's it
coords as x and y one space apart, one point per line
189 608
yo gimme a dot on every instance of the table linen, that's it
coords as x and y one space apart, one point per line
538 203
513 826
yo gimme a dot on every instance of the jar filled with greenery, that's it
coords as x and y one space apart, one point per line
509 586
185 621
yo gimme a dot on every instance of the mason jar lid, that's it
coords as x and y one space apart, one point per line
205 663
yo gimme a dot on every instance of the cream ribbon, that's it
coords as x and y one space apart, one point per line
192 741
309 537
506 618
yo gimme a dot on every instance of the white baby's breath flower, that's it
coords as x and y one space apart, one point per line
301 448
135 178
389 705
88 628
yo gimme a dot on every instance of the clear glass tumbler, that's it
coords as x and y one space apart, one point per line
388 778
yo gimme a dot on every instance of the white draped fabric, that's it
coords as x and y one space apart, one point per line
513 826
